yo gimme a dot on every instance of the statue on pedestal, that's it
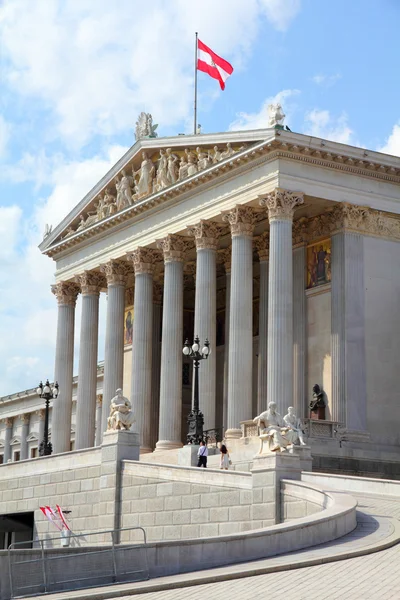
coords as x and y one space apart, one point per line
317 404
121 415
295 425
274 430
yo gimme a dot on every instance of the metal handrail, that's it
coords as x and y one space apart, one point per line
44 559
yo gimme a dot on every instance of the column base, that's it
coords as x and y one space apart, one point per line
145 450
167 445
233 434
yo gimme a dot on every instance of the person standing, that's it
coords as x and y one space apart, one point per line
224 457
202 455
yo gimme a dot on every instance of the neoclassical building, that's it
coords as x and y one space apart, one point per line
282 249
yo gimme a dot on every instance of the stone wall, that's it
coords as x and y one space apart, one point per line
299 501
182 502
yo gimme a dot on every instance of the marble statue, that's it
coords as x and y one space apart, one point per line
192 165
144 126
276 116
110 203
203 160
295 425
47 230
162 171
146 174
216 157
274 430
101 209
183 169
228 152
172 171
121 415
125 188
70 231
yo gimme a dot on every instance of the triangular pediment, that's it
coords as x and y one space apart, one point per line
150 169
16 440
32 437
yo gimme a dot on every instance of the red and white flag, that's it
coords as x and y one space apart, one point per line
214 65
52 516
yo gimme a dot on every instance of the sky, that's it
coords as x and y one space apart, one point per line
75 74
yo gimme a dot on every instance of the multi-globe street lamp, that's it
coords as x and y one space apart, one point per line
195 418
48 393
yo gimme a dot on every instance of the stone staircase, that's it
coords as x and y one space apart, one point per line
164 457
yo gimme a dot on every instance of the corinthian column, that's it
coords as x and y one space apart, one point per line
66 294
90 284
262 244
280 205
241 220
8 437
300 238
116 272
25 419
144 263
226 259
174 248
206 236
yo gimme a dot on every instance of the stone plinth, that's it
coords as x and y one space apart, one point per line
187 456
268 470
304 454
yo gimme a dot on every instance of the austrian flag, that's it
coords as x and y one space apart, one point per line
214 65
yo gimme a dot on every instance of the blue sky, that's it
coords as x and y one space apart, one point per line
74 74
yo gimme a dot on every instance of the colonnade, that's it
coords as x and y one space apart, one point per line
276 328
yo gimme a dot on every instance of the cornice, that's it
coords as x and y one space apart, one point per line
357 162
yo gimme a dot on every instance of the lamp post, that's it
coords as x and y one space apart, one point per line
48 393
195 418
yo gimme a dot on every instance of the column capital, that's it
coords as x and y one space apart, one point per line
241 220
174 248
225 256
300 232
66 292
9 422
281 204
261 243
25 418
90 282
42 413
116 271
206 234
144 260
99 399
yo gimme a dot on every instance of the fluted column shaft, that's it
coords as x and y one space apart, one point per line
299 331
169 435
156 365
66 294
262 244
241 220
7 440
142 341
280 204
226 344
349 396
87 374
24 434
115 272
99 429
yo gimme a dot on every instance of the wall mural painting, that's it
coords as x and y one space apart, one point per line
128 325
319 263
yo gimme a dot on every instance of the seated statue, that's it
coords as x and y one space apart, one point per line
275 430
295 425
121 415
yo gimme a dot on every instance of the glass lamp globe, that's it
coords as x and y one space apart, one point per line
195 347
55 392
46 389
39 391
186 350
206 350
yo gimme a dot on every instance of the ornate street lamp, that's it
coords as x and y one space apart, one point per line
48 393
195 418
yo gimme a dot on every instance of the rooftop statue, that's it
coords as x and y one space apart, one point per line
144 127
276 116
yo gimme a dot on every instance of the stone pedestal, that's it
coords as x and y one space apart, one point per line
267 472
116 447
304 454
187 456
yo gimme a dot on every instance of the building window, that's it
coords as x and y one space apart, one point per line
34 452
17 456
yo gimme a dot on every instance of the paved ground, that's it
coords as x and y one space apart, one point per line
374 575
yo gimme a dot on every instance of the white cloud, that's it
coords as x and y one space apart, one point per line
320 123
326 80
96 66
259 120
392 145
5 131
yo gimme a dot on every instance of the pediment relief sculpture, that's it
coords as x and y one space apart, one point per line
156 172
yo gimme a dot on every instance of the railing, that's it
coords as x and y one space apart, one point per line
95 560
212 436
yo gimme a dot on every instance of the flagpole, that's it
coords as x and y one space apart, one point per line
195 85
